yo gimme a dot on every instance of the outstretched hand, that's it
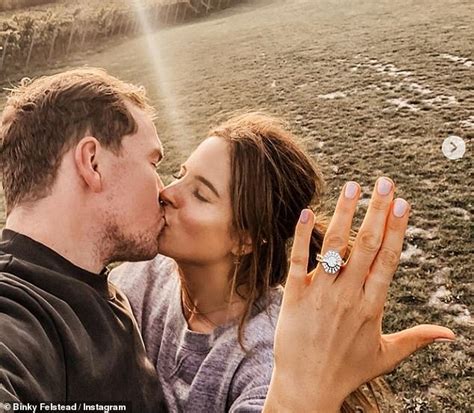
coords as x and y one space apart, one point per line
329 337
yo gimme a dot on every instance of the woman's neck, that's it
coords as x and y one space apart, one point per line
206 296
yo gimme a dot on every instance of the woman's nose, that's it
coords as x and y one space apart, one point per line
162 202
167 197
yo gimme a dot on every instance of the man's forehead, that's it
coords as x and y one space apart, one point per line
147 127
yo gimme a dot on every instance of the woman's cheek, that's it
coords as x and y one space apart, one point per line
209 229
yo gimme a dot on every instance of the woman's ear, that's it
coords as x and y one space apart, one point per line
243 246
86 157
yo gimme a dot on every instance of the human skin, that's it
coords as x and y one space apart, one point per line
198 209
329 338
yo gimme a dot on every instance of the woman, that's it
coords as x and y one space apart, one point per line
208 317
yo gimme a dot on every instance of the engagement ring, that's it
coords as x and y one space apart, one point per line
332 261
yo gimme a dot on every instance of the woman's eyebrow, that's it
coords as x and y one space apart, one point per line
203 180
208 184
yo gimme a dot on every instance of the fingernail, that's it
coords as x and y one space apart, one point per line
384 186
304 217
443 340
400 207
351 190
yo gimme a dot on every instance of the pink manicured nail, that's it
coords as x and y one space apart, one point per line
384 186
400 207
351 190
304 217
443 340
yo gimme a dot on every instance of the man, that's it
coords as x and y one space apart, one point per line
78 156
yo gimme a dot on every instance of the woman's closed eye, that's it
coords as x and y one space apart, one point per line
199 196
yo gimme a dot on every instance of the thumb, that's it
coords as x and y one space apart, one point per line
400 345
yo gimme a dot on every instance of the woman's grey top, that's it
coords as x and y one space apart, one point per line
199 372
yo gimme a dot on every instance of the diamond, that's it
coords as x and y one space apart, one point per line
332 262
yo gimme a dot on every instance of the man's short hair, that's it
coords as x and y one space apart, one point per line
44 118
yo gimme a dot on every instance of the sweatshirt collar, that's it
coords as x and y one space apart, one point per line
27 249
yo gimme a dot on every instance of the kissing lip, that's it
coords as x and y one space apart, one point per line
163 217
161 225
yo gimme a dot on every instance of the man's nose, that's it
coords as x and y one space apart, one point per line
161 185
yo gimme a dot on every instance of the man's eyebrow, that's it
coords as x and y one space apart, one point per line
208 184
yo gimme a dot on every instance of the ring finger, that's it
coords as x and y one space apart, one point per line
337 234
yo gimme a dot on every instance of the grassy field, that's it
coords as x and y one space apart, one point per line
18 4
373 88
42 35
38 36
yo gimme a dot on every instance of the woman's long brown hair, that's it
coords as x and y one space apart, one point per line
272 180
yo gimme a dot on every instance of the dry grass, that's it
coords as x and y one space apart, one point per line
43 35
18 4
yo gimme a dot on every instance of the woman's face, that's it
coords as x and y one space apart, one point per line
198 208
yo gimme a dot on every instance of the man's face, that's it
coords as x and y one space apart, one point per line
133 216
